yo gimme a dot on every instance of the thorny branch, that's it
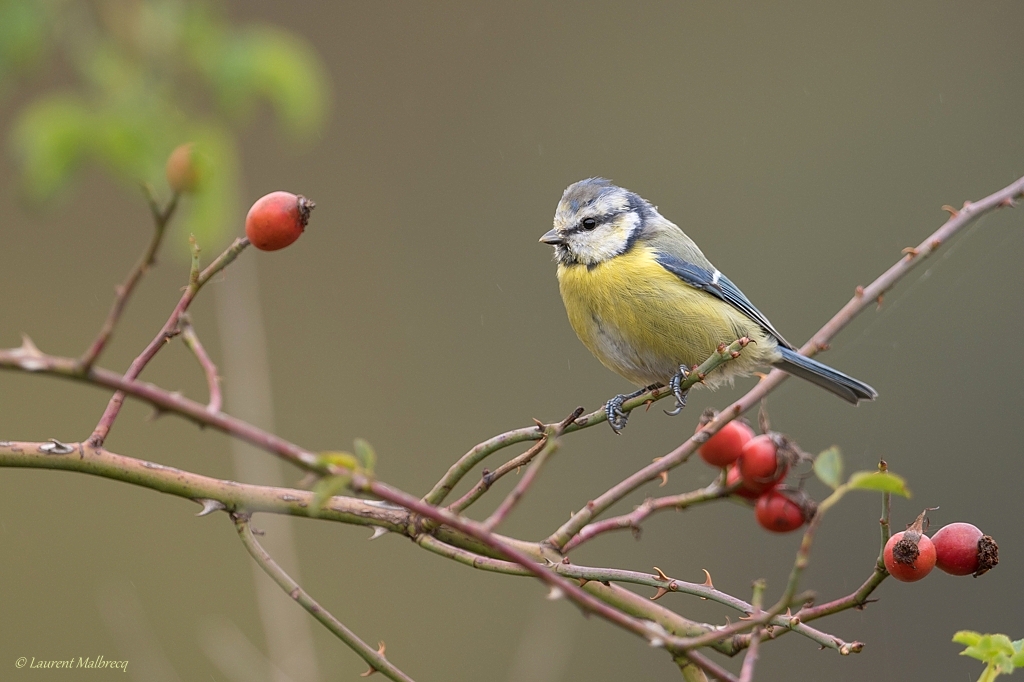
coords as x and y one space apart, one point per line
446 531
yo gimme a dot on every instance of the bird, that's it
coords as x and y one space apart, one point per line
644 299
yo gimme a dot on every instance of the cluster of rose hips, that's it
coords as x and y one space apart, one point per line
756 466
957 549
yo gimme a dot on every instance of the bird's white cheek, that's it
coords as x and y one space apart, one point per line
593 247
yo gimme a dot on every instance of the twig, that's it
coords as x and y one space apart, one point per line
170 329
191 339
690 672
30 359
787 599
710 667
222 494
883 522
633 519
587 574
855 600
374 658
863 297
524 483
488 478
476 455
560 586
750 659
161 217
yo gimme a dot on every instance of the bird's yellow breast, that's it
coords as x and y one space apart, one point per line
643 322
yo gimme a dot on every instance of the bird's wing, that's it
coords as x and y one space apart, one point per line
715 283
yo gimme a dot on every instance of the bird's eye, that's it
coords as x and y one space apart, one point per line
588 224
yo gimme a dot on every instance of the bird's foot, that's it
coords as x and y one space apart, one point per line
674 385
617 418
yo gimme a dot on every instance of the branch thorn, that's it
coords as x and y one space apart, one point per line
55 447
662 475
209 506
381 648
659 594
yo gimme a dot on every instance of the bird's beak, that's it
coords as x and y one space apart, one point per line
552 237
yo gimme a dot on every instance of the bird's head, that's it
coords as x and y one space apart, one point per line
595 221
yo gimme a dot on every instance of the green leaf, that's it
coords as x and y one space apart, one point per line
286 71
828 467
877 480
325 489
1003 664
365 454
976 652
262 63
52 137
346 460
967 637
1002 644
1001 655
1018 657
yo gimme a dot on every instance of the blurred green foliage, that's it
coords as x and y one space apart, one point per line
1000 655
146 76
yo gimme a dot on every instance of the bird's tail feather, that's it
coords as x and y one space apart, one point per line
846 387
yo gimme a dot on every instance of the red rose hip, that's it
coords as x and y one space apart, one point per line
733 477
760 466
778 513
277 219
962 549
909 555
725 447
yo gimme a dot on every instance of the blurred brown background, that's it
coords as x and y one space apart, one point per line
801 145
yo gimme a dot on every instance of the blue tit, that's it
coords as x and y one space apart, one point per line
646 302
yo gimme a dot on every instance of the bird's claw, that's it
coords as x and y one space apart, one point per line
675 385
616 417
